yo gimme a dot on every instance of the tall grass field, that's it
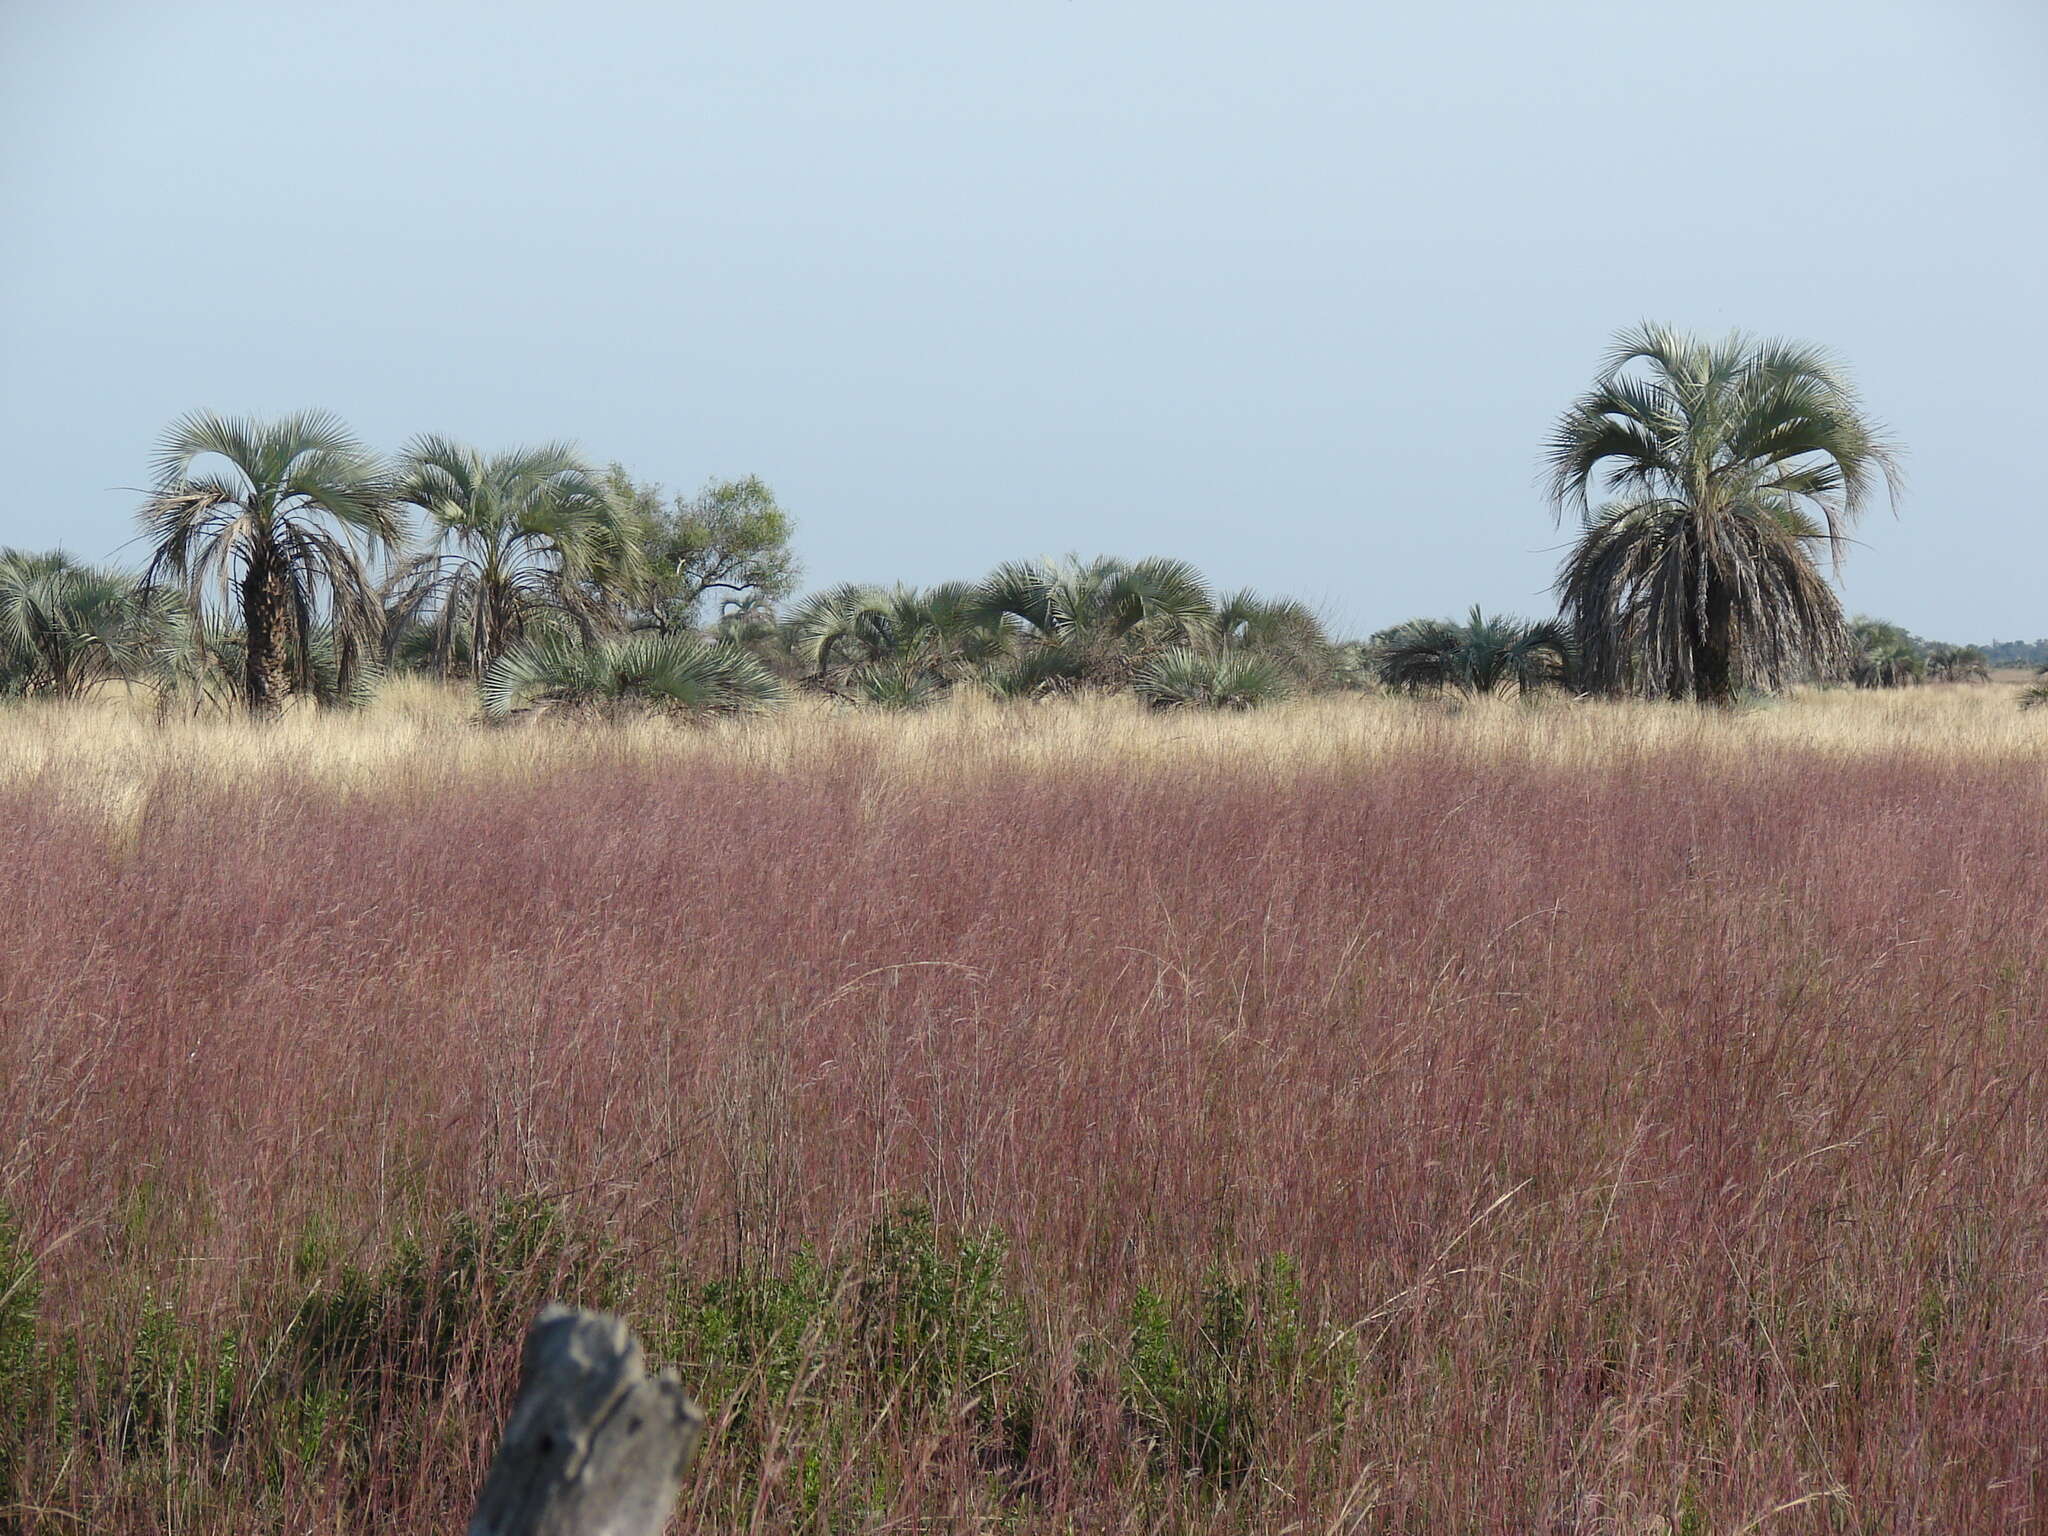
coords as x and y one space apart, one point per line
1362 1115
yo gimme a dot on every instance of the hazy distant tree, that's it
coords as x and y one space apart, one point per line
511 536
275 519
1957 664
1481 656
1727 460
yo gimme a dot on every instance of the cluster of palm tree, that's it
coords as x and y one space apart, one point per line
1887 656
1710 479
1152 627
285 559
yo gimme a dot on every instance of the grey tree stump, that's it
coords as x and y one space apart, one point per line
595 1446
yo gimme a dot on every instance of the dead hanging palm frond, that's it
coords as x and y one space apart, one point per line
1636 594
1731 463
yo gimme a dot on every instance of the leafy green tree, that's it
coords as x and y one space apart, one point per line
64 626
729 543
612 675
276 520
1482 656
1727 460
512 537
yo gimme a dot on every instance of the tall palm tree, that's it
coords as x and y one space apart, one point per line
65 626
275 519
511 536
1727 460
1482 656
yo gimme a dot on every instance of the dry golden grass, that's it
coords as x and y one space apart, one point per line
420 736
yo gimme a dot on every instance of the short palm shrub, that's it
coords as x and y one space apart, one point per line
2035 695
1184 678
1481 656
894 687
641 673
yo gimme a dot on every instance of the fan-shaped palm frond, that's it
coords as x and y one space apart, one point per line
677 674
894 686
1185 678
512 536
65 627
1482 656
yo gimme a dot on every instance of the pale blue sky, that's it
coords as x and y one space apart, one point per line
1293 290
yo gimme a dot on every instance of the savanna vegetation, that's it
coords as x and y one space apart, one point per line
287 560
1073 1049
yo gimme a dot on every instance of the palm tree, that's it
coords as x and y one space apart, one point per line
676 674
1482 656
1282 630
1885 656
512 536
1104 617
1185 678
278 528
938 632
2035 695
65 626
1728 459
1957 664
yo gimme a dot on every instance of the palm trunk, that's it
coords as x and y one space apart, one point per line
1714 665
266 619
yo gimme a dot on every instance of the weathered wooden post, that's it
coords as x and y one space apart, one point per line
595 1446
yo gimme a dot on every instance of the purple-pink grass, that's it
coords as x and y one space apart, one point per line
1651 1148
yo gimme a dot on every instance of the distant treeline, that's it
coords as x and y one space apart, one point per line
2016 653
